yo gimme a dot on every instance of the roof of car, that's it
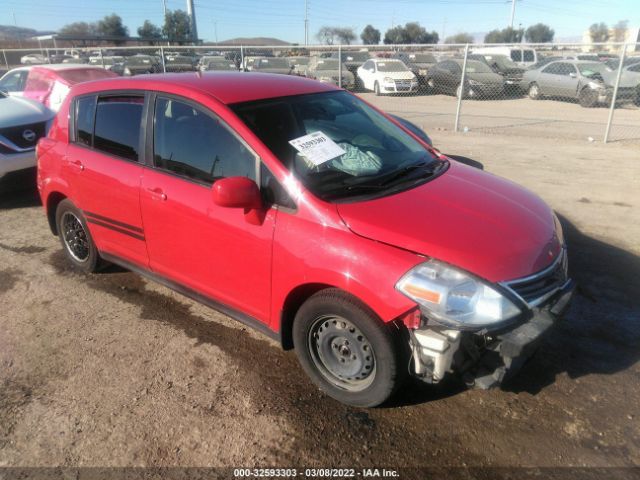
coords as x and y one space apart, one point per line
227 87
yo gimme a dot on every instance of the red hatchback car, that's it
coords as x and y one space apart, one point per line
301 210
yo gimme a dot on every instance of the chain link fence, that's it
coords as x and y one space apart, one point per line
583 92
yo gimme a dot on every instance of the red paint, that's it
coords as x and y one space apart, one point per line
253 259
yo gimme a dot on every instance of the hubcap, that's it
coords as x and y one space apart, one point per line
75 237
342 353
534 90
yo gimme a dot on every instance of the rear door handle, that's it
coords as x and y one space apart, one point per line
77 163
157 193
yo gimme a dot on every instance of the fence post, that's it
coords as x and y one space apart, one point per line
6 62
461 89
242 59
101 56
340 66
615 94
164 67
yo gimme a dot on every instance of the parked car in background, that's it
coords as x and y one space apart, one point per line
573 80
141 64
357 251
629 86
180 63
387 76
218 64
49 84
418 63
613 63
328 70
542 61
33 59
503 66
480 80
523 56
300 65
22 123
113 63
272 65
352 60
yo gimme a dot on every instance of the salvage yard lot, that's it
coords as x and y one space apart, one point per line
112 370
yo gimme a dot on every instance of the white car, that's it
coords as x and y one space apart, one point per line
22 123
33 59
387 75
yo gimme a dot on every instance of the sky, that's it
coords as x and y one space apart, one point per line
284 19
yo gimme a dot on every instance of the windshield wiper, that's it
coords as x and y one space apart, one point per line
429 167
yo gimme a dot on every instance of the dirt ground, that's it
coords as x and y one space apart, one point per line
112 370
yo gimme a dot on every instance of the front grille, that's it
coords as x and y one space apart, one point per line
536 288
403 84
16 135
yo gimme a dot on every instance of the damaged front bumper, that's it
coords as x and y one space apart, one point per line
485 359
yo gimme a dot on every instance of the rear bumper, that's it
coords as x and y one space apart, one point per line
485 360
16 161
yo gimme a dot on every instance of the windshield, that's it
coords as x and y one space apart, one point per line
377 156
502 61
392 66
589 69
220 65
139 60
474 66
328 64
271 63
421 58
179 59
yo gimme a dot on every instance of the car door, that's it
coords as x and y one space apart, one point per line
216 251
366 74
102 164
450 77
568 80
548 80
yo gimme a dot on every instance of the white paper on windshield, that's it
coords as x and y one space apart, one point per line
317 147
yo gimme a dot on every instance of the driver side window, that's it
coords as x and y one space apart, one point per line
13 82
193 144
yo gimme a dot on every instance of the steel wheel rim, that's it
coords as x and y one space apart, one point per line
342 353
533 91
75 237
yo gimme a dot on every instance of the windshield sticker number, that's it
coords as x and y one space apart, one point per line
317 147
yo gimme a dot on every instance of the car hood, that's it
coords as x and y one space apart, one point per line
16 111
489 77
627 79
333 73
476 221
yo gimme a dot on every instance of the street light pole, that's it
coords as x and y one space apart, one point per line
306 22
513 11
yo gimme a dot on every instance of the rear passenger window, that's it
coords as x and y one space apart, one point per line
191 143
117 126
516 55
85 114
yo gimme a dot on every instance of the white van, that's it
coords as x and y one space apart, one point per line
524 56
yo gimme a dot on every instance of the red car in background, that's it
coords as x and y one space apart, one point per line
49 84
299 209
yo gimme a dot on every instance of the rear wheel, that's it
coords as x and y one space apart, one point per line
75 237
588 98
346 350
534 92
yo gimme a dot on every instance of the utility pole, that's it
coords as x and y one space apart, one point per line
215 31
164 8
306 22
513 11
191 12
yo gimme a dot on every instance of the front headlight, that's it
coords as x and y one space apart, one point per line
126 71
388 80
474 82
455 298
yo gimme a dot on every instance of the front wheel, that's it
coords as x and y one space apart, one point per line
588 98
534 92
346 350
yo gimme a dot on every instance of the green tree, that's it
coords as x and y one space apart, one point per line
459 38
149 32
111 26
331 35
539 33
177 27
370 35
620 31
506 35
78 29
412 32
599 32
346 35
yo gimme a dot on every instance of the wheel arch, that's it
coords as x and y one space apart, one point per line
53 200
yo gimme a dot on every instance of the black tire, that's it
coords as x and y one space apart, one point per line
334 332
534 92
376 88
76 239
588 98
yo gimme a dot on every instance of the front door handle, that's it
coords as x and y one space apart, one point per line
157 193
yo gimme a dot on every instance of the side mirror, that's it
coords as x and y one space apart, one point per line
237 192
573 75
